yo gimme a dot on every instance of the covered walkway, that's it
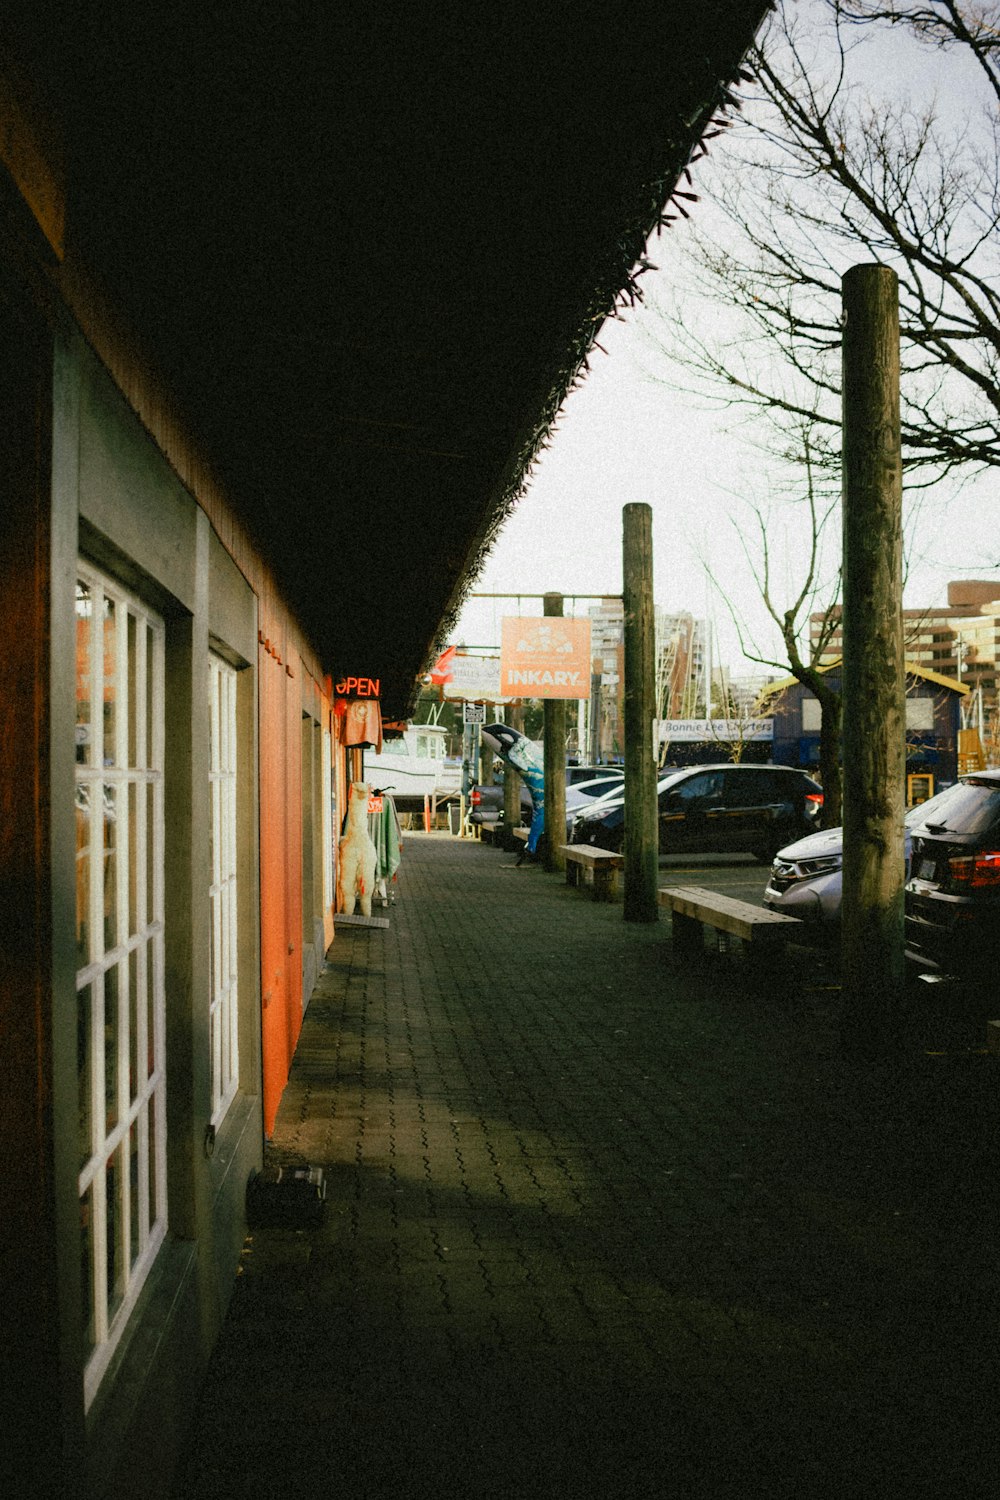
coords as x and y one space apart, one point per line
600 1226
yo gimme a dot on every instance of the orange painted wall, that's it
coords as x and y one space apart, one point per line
280 858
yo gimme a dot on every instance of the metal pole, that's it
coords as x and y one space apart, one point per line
874 679
641 813
555 765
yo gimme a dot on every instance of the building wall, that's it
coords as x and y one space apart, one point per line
82 478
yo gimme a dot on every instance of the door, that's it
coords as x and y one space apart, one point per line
689 811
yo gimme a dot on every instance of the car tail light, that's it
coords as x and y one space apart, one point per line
975 870
816 798
475 796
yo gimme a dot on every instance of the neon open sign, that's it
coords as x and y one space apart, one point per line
358 687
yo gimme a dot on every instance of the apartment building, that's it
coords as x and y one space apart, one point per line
960 639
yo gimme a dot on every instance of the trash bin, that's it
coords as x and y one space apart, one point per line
455 818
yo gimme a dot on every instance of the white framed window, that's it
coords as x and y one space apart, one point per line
121 1034
223 1007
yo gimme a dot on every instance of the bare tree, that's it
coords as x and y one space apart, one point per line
742 721
823 171
804 648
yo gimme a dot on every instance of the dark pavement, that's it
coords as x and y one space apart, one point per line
600 1225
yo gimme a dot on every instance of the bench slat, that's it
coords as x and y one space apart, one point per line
751 923
585 854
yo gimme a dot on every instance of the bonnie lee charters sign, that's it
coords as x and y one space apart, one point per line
695 730
547 657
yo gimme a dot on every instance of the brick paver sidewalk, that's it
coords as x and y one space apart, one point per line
599 1226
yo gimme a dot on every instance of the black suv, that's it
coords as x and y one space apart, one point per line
723 809
953 894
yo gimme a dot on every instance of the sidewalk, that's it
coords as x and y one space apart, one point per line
600 1226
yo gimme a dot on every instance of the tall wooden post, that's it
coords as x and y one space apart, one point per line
555 765
874 680
641 815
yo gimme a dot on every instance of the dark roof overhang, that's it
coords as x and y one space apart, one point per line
366 247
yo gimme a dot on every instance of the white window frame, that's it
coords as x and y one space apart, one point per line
119 779
223 991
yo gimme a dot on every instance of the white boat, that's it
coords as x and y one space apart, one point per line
413 766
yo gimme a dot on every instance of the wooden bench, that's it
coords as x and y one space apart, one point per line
602 865
521 834
490 832
693 908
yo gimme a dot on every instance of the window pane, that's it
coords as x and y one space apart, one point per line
115 1228
135 1069
110 683
154 1163
133 860
112 1031
85 1071
150 851
135 1234
82 875
154 982
110 867
133 717
151 659
84 607
87 1267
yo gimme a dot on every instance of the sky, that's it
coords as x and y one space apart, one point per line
630 433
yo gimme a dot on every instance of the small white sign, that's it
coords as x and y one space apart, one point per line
474 713
688 730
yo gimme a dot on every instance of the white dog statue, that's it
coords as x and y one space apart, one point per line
357 855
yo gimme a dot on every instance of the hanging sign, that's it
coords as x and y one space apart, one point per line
462 677
474 713
358 687
546 657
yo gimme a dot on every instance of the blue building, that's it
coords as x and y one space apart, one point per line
933 722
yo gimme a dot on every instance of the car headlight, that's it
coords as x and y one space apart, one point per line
821 866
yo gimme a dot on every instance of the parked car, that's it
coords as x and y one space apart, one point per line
953 893
806 877
486 803
717 809
583 784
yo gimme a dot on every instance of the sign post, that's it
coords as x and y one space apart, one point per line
641 817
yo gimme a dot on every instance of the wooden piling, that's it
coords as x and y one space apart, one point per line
874 722
555 765
641 846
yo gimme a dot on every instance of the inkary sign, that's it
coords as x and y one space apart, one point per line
544 657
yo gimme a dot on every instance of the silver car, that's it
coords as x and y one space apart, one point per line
805 879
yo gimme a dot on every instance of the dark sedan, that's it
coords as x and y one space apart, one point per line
719 809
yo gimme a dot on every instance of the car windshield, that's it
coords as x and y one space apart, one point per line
970 807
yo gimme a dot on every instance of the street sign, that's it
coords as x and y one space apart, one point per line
474 713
